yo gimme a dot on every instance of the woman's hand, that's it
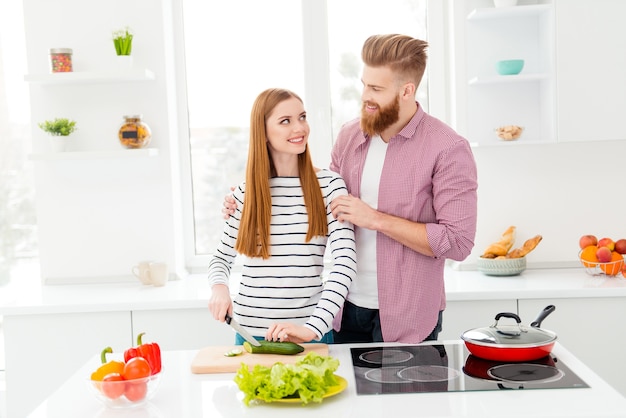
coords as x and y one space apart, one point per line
289 332
229 204
220 303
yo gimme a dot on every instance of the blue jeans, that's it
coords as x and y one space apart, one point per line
328 339
362 325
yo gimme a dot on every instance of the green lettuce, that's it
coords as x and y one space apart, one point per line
308 379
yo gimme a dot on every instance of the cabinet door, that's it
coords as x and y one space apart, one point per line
43 351
181 329
460 316
591 91
591 328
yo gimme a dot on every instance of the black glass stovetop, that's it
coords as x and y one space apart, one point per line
450 368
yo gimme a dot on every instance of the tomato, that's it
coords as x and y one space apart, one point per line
113 385
136 368
136 391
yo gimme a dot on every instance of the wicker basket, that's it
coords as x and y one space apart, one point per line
501 266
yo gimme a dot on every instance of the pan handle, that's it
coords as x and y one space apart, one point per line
542 315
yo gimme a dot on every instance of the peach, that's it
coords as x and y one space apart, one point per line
587 240
620 246
603 254
606 242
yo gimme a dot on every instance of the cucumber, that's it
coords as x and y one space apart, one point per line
274 347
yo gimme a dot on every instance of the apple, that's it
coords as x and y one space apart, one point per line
587 240
606 242
620 246
603 254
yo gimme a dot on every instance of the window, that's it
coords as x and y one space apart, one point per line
18 238
234 50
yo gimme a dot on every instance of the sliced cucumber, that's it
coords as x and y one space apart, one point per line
234 352
274 347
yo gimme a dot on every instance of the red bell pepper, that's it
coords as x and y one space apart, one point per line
151 352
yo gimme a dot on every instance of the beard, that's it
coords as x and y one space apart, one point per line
374 124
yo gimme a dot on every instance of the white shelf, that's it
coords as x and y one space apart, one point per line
93 77
86 155
499 79
505 12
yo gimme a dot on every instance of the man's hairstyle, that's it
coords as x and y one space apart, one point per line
404 55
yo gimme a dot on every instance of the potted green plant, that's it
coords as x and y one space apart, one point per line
123 41
59 129
58 126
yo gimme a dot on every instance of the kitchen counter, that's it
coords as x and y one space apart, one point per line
183 394
194 292
89 317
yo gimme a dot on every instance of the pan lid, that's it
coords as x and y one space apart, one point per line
505 335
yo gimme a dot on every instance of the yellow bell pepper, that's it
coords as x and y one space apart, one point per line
113 366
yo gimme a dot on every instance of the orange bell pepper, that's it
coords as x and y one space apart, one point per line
113 366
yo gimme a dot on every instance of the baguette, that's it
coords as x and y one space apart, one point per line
502 247
528 246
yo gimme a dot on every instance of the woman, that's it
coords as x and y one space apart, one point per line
281 227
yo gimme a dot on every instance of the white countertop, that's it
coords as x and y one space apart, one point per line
194 292
183 394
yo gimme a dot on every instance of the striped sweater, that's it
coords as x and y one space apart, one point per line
289 287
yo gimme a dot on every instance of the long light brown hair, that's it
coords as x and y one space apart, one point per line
406 56
254 229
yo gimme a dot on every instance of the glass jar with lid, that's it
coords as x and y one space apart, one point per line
60 60
134 133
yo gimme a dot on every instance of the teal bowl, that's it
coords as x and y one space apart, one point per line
510 67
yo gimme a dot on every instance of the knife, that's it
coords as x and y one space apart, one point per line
245 334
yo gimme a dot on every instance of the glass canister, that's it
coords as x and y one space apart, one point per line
134 133
60 60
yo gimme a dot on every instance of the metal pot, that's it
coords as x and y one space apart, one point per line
511 343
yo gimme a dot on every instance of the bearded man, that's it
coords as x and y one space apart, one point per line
412 181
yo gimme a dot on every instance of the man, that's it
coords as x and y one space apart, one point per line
412 183
413 203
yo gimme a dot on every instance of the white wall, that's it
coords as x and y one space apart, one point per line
98 217
561 191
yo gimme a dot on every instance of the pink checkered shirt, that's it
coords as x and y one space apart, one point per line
429 176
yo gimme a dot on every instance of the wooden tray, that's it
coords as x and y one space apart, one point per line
213 360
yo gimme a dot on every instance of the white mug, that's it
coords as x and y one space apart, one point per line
142 272
158 274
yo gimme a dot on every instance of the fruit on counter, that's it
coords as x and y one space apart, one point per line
273 347
606 242
113 366
588 256
149 351
615 264
136 391
136 368
603 254
110 388
309 379
620 246
587 240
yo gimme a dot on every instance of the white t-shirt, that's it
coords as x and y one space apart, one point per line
364 290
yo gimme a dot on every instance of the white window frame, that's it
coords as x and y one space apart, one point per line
316 57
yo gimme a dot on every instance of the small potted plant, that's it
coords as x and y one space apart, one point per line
59 129
123 41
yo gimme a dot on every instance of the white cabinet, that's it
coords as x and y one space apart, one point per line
460 316
527 99
591 91
44 350
592 329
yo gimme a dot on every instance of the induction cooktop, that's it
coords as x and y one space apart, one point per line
451 368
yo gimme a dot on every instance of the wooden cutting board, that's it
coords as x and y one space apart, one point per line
212 359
